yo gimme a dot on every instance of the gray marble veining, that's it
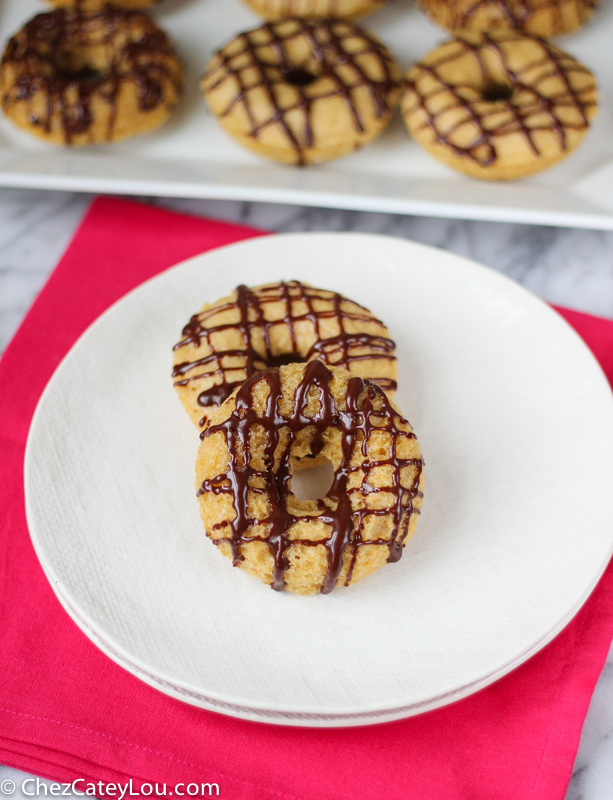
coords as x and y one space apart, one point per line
35 228
564 266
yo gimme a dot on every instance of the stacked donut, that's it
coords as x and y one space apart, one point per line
89 72
284 377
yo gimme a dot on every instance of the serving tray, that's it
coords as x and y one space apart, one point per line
190 156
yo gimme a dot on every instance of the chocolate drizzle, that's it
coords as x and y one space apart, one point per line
96 5
302 304
258 62
58 56
531 108
562 16
367 410
343 350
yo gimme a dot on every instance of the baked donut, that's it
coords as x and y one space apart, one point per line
535 17
78 77
274 10
274 423
252 329
499 105
95 5
302 92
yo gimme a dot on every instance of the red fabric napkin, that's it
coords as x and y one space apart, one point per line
67 711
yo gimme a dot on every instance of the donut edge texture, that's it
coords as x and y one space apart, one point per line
276 10
542 18
97 5
253 328
346 102
553 100
137 94
284 416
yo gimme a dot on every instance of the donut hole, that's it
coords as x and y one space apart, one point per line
497 92
312 482
85 76
87 66
298 76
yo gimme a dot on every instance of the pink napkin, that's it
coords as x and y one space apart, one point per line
67 711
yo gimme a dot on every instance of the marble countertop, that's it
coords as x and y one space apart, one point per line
573 268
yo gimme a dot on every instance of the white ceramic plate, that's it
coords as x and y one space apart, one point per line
190 156
515 419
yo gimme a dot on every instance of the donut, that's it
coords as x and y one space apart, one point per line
278 323
77 77
499 105
274 10
544 18
271 425
302 91
95 5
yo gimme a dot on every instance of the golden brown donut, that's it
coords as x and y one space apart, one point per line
252 329
76 77
274 10
96 5
500 105
302 92
536 17
276 422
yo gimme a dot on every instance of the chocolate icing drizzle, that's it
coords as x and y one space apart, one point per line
337 68
367 409
44 53
518 13
341 350
97 4
531 109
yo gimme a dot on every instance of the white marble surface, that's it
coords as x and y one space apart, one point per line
569 267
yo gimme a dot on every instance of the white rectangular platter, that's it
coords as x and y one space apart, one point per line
190 156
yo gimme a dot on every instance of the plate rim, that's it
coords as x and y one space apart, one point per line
306 719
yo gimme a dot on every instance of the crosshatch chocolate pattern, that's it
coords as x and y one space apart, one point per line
280 75
360 338
536 17
63 75
471 93
367 415
95 5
